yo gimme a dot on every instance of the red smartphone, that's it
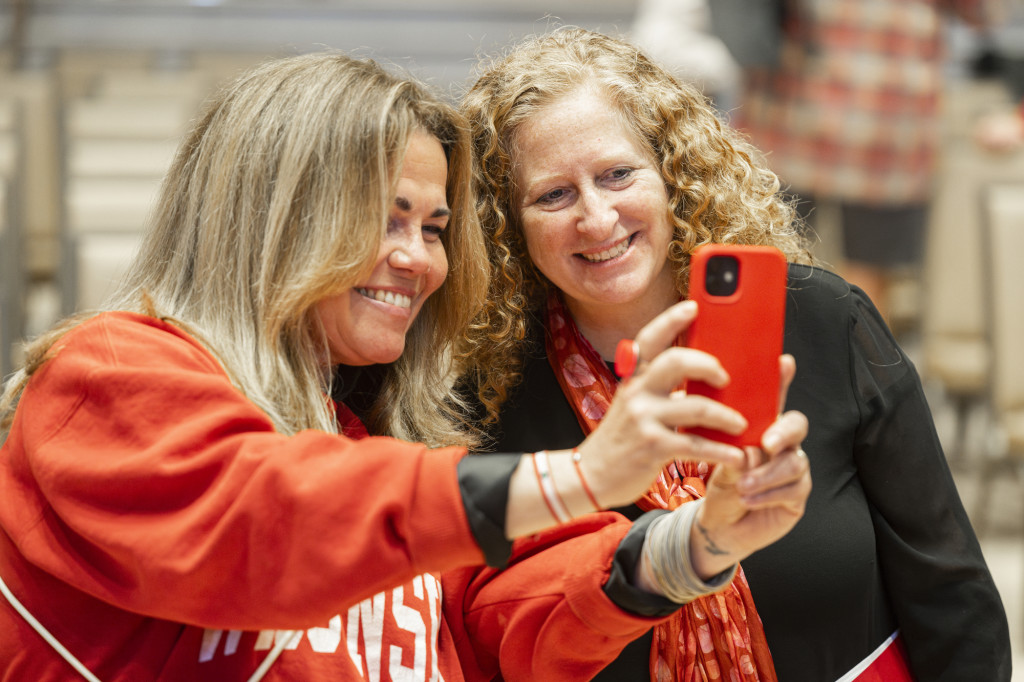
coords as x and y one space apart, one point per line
741 311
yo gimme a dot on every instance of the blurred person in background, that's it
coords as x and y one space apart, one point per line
1001 58
844 98
850 117
679 34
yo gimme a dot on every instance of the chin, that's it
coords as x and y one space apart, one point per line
386 357
377 356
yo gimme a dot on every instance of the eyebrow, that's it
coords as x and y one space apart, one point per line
406 205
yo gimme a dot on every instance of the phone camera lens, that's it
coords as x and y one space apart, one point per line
722 275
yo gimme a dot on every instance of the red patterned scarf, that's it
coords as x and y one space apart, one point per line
717 637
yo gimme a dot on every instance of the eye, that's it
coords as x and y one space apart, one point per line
552 197
619 175
433 233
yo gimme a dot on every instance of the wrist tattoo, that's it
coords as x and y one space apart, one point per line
709 544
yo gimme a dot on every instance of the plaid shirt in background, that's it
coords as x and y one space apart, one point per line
852 111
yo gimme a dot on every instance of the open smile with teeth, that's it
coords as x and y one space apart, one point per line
389 297
608 254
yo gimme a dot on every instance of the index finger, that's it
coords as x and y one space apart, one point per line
662 332
788 431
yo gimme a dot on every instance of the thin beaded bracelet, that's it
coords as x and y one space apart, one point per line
542 468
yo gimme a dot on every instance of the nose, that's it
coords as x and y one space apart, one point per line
408 251
598 214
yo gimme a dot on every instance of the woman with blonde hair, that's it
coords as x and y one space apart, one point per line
188 493
598 174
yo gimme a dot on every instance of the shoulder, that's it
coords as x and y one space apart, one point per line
120 353
129 339
128 370
814 291
827 316
814 285
818 301
823 314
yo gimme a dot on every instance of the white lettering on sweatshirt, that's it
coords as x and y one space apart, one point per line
390 636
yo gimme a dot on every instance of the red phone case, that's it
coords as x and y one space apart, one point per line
744 331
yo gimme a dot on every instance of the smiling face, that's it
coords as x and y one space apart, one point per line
367 324
594 208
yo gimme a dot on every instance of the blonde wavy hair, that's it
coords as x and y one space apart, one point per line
720 189
277 198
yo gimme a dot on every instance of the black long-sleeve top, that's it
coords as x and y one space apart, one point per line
885 542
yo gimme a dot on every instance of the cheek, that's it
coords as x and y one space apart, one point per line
329 316
323 314
438 271
666 226
656 202
541 237
650 208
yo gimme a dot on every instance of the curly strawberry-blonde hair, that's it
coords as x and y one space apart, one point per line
720 189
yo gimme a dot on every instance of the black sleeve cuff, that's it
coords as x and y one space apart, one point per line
621 588
483 482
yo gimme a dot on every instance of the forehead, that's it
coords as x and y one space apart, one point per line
582 123
423 178
424 159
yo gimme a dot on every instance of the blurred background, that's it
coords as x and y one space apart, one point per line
94 95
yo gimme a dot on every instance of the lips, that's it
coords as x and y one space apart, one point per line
608 254
384 296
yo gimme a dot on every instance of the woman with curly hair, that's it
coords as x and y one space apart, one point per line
598 174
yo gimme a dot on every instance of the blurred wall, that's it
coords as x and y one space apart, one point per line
72 197
438 39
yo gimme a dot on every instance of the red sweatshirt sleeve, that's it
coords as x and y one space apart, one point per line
137 473
547 616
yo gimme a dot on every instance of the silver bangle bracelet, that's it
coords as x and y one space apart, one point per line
667 554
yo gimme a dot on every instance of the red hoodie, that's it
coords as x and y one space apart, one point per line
160 528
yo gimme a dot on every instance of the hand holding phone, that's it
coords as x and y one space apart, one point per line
741 302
